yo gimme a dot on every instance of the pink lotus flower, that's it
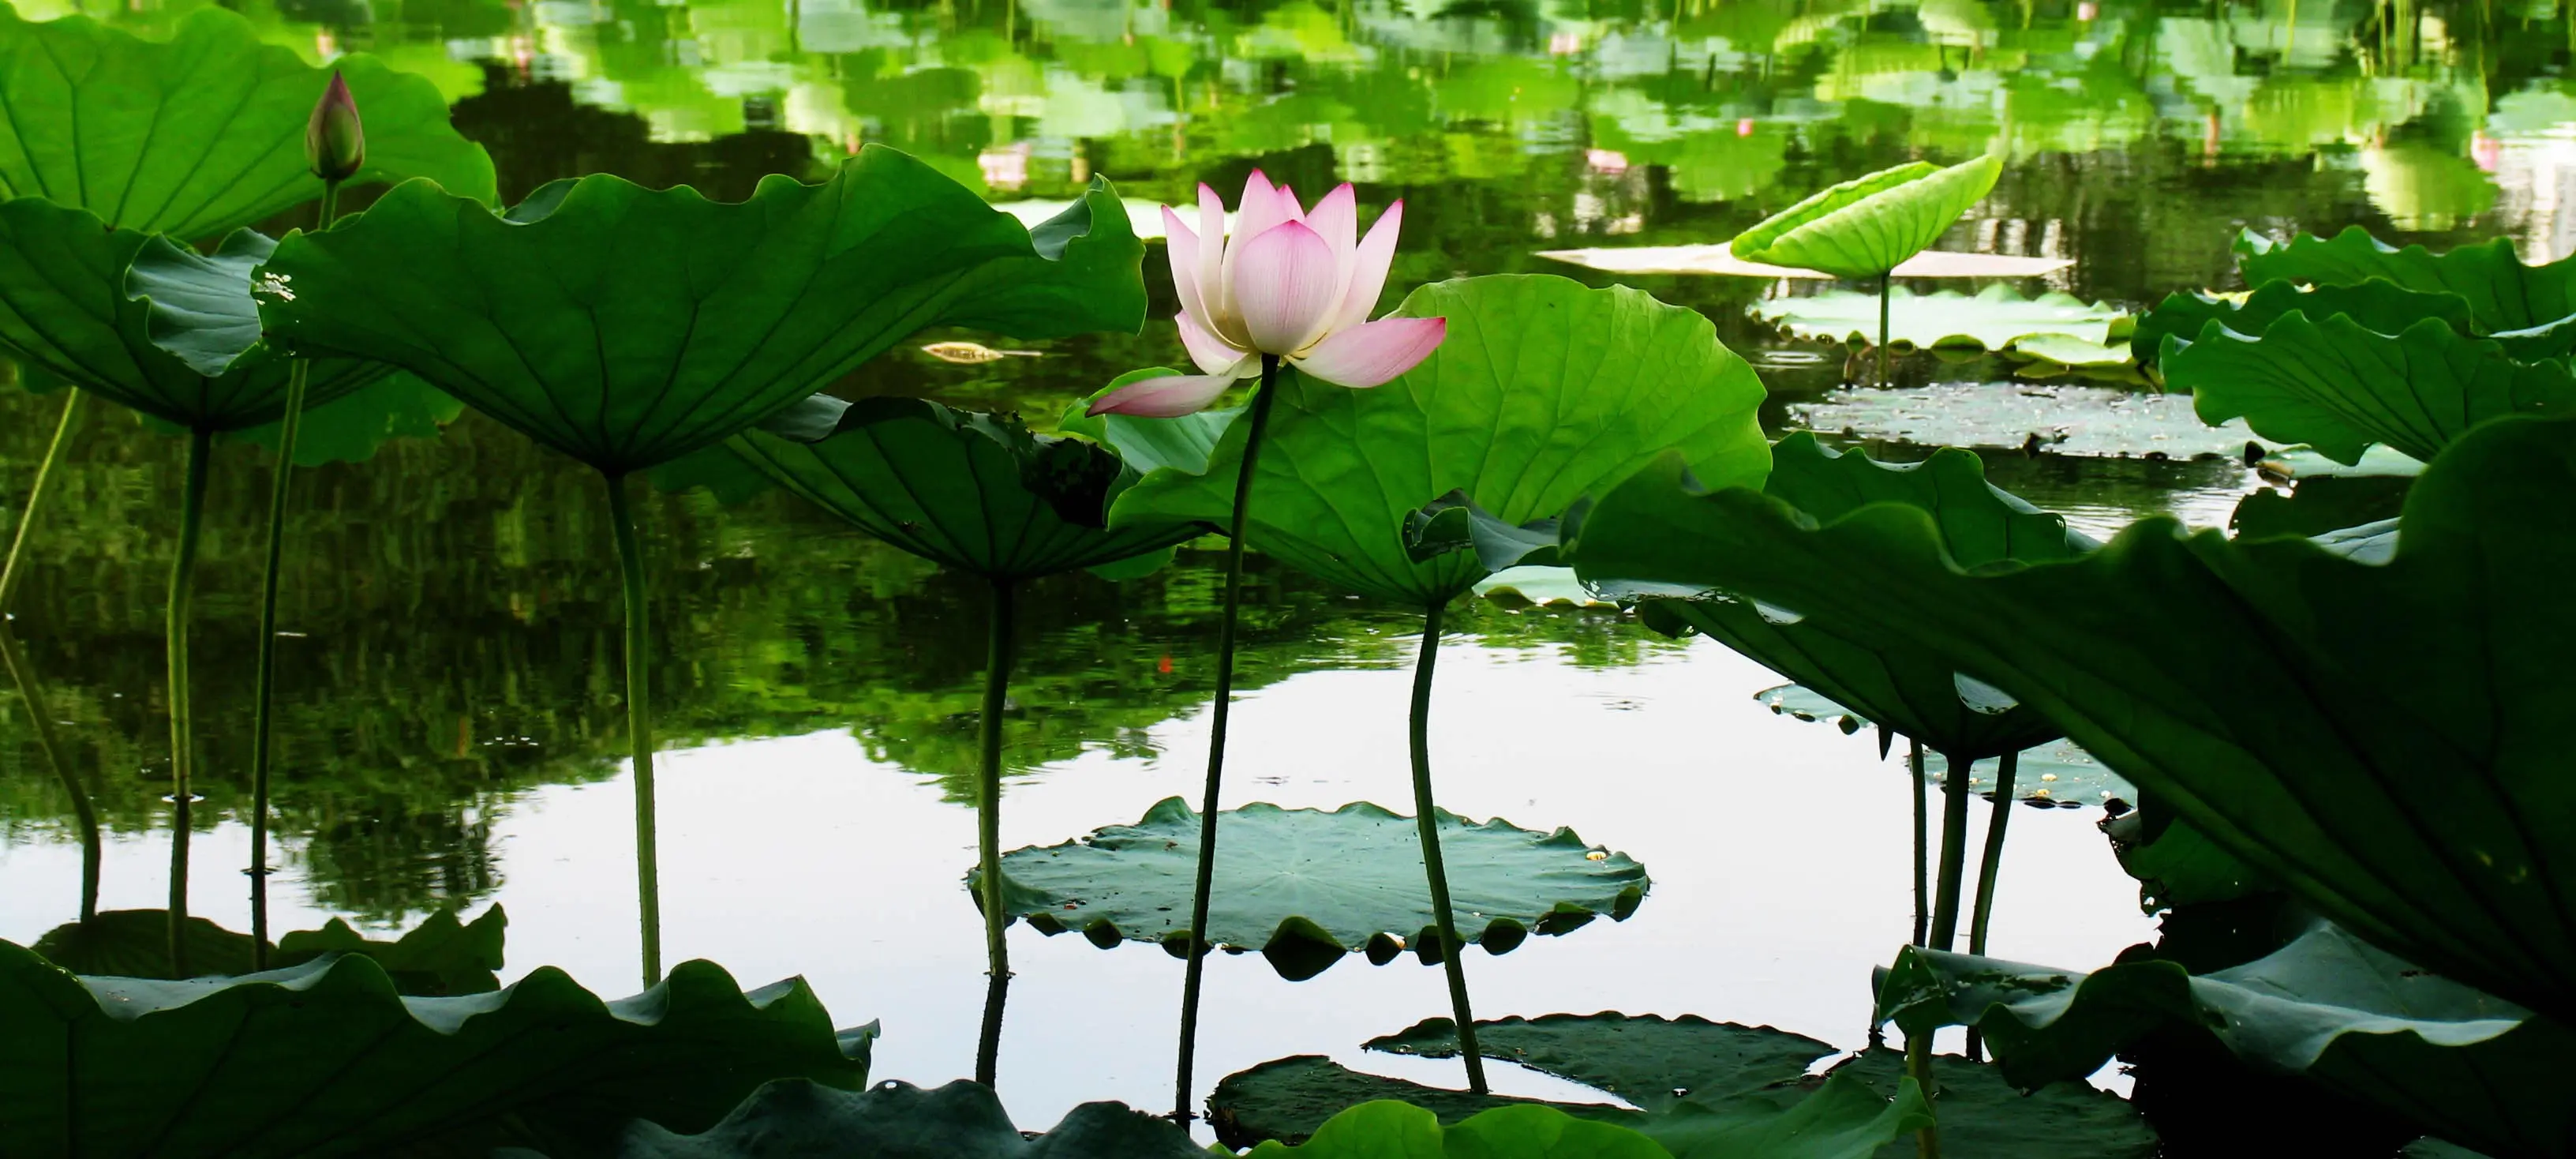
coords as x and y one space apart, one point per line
1291 284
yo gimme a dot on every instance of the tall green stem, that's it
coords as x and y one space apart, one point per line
639 725
183 567
1882 329
1918 1063
1954 851
1993 860
84 813
264 682
1195 972
1452 947
1922 840
988 825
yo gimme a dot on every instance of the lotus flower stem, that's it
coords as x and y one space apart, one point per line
988 825
1984 909
639 725
1918 1063
1195 971
1882 330
1452 948
183 568
1954 851
84 813
1922 840
264 683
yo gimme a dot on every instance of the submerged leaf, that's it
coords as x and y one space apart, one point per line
2340 386
325 1059
2328 1007
971 491
1543 390
800 1119
2398 763
1995 318
1864 227
196 136
2502 293
1307 887
664 322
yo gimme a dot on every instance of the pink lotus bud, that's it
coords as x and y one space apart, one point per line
335 142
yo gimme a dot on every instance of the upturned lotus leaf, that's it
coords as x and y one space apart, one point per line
1864 227
2502 293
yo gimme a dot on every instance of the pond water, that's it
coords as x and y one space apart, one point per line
451 726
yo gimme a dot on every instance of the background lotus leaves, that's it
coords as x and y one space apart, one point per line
1544 389
2058 419
1863 227
2377 304
325 1059
2340 386
1308 887
2398 767
1994 318
975 492
203 133
440 956
805 1120
664 322
2502 292
1650 1062
64 311
2327 1006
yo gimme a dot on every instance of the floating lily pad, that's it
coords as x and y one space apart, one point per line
801 1119
1288 1099
1984 1116
441 956
1388 1129
1719 260
1307 887
326 1059
1652 1063
1799 702
1995 318
1544 586
2058 773
2063 420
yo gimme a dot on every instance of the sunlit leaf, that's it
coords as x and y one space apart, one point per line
1864 227
2502 293
2376 305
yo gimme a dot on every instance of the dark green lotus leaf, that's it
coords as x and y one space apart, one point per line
2502 293
2174 863
1983 1115
1387 1129
2377 305
2033 417
800 1119
441 956
1995 318
627 327
2384 741
326 1059
2298 464
1307 887
1299 1100
1864 227
2340 386
64 310
2464 1065
2319 505
975 492
1544 389
203 133
1653 1063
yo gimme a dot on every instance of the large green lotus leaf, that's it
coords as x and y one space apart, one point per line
1308 887
325 1059
64 310
1995 318
972 491
2377 304
1983 1115
627 327
1289 1099
1545 389
203 133
1653 1063
441 956
2461 1064
2060 420
1864 227
2319 505
2340 386
2502 293
1393 1130
2175 864
799 1119
2396 763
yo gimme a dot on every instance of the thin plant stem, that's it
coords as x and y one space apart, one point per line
1984 908
1922 840
1195 972
1452 947
1918 1063
639 725
183 567
84 813
1954 852
264 682
988 825
1882 329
